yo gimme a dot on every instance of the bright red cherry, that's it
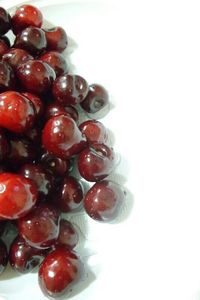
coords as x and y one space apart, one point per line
56 39
55 165
61 137
56 61
25 16
59 272
5 19
94 131
17 195
16 112
3 47
96 162
68 235
55 109
37 103
104 200
7 77
14 57
40 227
3 256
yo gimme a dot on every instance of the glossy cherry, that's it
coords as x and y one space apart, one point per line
70 89
94 131
4 146
17 195
56 39
104 200
3 256
56 61
68 236
40 227
96 162
36 76
3 47
37 103
55 109
14 57
7 77
25 16
59 272
61 137
5 21
55 165
96 99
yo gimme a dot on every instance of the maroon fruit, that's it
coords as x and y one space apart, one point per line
3 256
56 39
4 146
68 235
56 61
37 103
14 57
94 131
5 19
55 165
7 77
55 109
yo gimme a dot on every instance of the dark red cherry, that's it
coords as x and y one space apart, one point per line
70 89
4 146
55 165
59 272
5 21
23 258
40 227
70 194
68 235
104 200
40 176
96 162
94 131
3 256
96 99
16 112
25 16
3 47
36 76
56 61
61 137
7 77
56 39
14 57
17 195
31 39
55 109
37 103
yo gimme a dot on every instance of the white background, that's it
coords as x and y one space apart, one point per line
147 53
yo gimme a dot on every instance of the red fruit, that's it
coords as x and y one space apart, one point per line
7 77
14 57
16 112
4 21
55 109
40 228
37 103
68 235
17 195
94 131
104 200
70 89
3 47
3 256
25 16
56 61
59 271
22 151
61 137
55 165
96 162
4 146
36 76
56 39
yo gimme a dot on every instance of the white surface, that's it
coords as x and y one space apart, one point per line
148 57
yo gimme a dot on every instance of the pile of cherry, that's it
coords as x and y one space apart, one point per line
41 141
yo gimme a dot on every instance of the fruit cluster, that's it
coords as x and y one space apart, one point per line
41 140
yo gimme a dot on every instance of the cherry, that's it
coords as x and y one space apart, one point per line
55 165
25 16
35 76
5 19
70 194
55 109
37 102
14 57
7 77
70 89
56 61
3 47
3 256
40 227
59 272
17 195
96 162
94 131
68 235
56 39
23 258
104 200
96 99
4 146
40 176
61 137
31 39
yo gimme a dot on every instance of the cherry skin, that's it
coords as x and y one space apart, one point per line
55 165
55 109
56 61
40 227
3 47
104 200
25 16
7 77
3 256
68 235
31 39
61 137
16 112
5 21
4 146
36 76
96 99
37 103
70 194
14 57
59 272
56 39
96 162
70 89
94 131
17 195
23 258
